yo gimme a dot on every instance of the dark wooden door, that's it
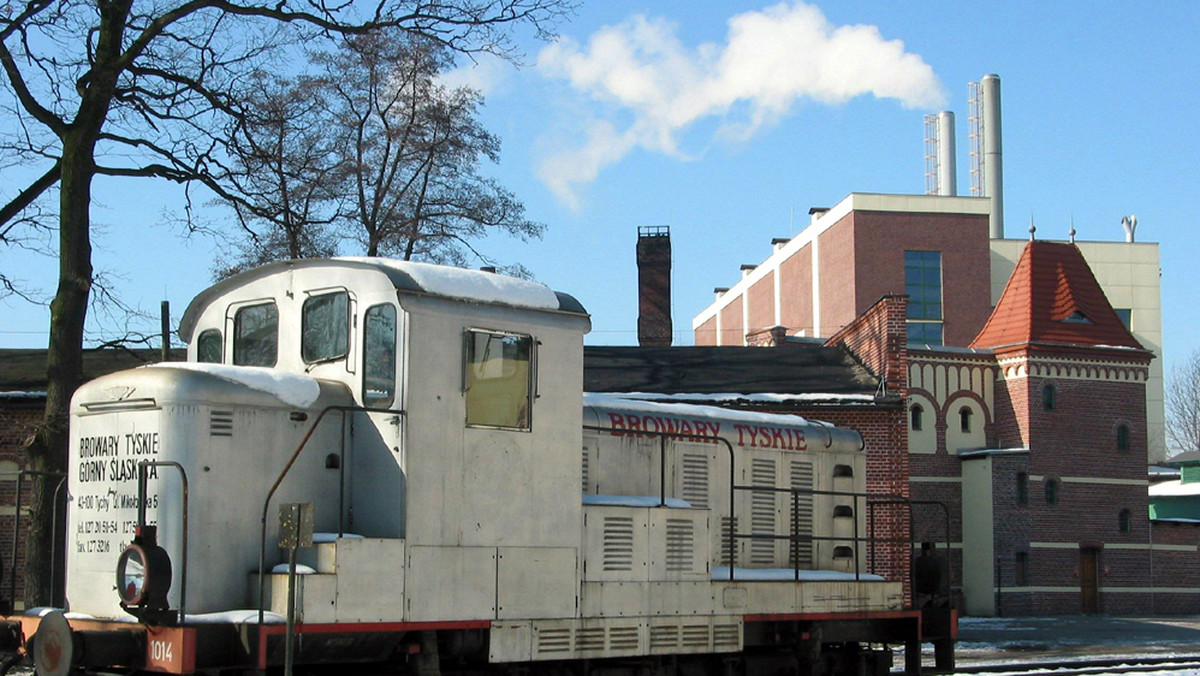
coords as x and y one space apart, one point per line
1089 580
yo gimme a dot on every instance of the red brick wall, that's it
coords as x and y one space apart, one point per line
795 290
706 334
880 240
836 266
879 338
17 421
732 331
760 303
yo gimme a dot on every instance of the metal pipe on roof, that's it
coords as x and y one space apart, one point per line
993 161
947 170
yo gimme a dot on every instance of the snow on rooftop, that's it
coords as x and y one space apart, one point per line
757 397
22 395
648 403
293 389
472 285
1174 489
634 501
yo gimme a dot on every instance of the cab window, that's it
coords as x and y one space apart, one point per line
256 335
379 356
325 327
208 347
498 379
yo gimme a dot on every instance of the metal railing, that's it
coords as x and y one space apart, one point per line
16 536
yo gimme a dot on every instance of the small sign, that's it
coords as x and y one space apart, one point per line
296 525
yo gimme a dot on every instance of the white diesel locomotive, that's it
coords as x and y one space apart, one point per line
406 453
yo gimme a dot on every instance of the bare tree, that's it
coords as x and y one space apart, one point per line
283 174
412 149
114 87
1183 406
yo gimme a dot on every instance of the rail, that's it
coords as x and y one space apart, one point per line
909 503
262 545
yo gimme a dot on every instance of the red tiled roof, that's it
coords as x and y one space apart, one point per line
1053 297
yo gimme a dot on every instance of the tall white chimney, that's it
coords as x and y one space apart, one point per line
947 174
993 160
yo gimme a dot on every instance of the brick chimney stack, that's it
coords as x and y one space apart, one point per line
654 286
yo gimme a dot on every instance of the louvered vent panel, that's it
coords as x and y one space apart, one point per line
553 641
664 637
591 638
585 469
725 637
762 511
695 635
695 480
623 638
681 545
220 423
723 556
801 552
618 543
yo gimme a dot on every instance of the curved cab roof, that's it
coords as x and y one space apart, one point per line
471 286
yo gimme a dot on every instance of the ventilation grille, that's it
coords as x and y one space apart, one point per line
695 635
695 480
762 511
554 641
585 469
664 637
220 423
726 637
801 551
591 638
681 545
618 543
623 638
723 557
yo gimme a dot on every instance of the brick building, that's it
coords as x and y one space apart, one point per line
1032 403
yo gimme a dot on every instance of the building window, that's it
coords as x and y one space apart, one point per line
923 284
1052 491
1125 315
964 419
1122 437
498 379
325 327
1022 488
1124 521
256 335
379 356
918 414
208 347
1022 569
1048 397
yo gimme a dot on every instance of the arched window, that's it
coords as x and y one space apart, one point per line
1124 521
918 415
1122 437
964 419
1052 491
1048 396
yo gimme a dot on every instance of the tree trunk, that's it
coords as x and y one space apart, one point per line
46 539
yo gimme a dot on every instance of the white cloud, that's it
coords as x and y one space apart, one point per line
771 59
485 74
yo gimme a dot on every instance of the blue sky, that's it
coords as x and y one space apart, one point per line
728 120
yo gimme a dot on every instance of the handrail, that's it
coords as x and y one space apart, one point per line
662 462
262 545
142 490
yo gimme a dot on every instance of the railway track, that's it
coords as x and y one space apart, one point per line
1084 667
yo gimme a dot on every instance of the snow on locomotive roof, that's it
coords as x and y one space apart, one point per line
293 389
633 402
476 286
